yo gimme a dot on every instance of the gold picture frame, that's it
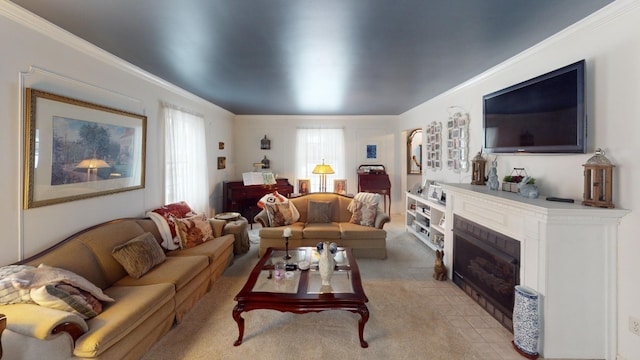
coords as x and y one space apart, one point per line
222 162
304 186
340 186
77 150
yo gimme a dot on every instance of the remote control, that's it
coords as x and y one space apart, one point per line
553 198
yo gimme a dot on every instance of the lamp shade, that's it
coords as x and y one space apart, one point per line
323 169
92 164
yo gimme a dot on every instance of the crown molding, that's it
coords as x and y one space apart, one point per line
601 17
56 33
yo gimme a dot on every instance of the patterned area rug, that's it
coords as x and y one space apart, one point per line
412 316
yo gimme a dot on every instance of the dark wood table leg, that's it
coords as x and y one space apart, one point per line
3 325
364 317
237 311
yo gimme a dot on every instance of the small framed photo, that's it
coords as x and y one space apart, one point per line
371 152
434 192
340 186
222 162
304 186
220 145
442 222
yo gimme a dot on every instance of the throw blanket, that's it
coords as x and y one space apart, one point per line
46 275
164 217
365 198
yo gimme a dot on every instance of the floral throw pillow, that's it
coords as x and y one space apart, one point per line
279 210
280 214
363 213
194 231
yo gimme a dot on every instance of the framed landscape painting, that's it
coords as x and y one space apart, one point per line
77 150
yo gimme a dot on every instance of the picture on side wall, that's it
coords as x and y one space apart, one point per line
77 150
222 162
457 142
434 145
303 186
371 152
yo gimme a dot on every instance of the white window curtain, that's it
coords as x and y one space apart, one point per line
313 145
186 173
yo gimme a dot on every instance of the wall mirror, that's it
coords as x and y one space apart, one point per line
414 152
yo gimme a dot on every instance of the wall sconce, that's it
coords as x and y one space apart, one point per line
323 170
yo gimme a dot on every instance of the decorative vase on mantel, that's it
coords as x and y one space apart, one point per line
326 264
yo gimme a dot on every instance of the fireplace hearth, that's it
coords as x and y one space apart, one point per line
486 265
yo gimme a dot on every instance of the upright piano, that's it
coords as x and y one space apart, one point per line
374 179
237 197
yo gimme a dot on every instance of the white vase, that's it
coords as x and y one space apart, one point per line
526 321
326 265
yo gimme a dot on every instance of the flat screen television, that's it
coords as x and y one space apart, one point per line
545 114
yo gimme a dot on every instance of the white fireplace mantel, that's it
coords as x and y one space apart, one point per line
568 255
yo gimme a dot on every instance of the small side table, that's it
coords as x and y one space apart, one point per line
238 226
3 325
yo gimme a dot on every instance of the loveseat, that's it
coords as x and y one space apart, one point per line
144 309
328 217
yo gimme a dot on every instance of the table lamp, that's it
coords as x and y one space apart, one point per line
323 170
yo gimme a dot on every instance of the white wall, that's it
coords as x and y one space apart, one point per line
281 130
610 43
29 41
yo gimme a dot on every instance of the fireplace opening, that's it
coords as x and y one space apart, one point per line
486 265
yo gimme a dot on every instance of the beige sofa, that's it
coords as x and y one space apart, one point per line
144 309
366 241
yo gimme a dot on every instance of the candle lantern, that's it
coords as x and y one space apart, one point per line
478 167
598 184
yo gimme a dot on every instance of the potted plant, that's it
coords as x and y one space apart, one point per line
510 182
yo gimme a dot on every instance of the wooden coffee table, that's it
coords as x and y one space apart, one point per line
302 291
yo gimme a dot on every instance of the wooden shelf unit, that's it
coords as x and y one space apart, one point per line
423 217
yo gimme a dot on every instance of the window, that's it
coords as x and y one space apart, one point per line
315 145
185 158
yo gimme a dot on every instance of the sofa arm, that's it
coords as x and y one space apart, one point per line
381 219
262 218
41 322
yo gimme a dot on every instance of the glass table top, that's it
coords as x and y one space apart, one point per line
310 279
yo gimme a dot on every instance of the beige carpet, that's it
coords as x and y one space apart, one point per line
412 316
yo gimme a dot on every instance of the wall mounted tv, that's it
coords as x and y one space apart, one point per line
545 114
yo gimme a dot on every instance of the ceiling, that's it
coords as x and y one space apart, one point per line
309 57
